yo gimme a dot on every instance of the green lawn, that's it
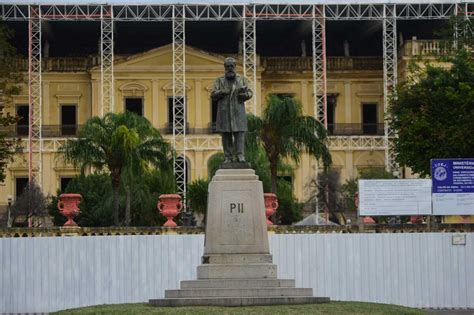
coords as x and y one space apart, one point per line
342 308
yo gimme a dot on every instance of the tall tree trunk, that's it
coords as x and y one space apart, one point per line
127 205
273 173
116 188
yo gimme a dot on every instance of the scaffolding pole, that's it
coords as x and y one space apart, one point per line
462 30
106 60
179 99
250 56
35 141
319 78
389 81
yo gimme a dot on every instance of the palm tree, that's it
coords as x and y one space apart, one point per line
284 132
122 143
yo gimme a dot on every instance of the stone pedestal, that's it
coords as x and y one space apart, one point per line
237 267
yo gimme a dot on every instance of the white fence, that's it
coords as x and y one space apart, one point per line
46 274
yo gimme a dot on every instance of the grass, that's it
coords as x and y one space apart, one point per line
356 308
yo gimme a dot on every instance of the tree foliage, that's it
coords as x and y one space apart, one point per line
284 132
350 187
433 114
123 144
31 202
10 79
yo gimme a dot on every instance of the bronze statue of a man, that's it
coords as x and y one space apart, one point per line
231 91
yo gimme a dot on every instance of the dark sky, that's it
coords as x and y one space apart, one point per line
274 38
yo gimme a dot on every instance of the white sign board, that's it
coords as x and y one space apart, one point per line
394 197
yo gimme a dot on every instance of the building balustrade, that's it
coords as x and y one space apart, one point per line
61 131
417 47
61 64
355 129
47 131
333 63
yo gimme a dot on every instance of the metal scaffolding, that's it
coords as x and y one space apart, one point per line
107 60
250 55
35 141
390 80
179 98
319 64
249 14
318 24
235 12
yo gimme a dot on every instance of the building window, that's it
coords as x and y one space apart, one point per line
64 181
330 112
214 105
284 95
21 184
23 113
369 119
68 120
134 105
171 114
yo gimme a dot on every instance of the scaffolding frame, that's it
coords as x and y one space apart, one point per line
250 55
179 99
388 12
223 12
106 60
35 141
389 82
318 36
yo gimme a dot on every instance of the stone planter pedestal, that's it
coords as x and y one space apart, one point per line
169 206
68 207
271 205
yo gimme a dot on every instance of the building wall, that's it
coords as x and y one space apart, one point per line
149 76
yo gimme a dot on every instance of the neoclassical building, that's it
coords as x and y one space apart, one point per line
143 84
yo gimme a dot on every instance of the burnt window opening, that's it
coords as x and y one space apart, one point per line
330 112
23 113
21 184
369 119
68 120
64 181
134 105
284 95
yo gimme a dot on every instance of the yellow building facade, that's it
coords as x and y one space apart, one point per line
71 94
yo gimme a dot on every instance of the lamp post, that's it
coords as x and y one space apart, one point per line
9 201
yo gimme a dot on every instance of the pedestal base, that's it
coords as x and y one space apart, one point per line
237 268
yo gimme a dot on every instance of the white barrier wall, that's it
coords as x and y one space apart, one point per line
46 274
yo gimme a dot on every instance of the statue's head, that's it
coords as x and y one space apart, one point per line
229 66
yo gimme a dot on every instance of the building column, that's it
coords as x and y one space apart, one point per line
154 102
347 102
349 155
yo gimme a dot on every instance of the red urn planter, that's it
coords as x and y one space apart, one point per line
170 205
68 207
271 205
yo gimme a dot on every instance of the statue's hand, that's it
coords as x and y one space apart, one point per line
219 94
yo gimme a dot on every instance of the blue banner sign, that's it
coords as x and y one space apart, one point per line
453 186
453 176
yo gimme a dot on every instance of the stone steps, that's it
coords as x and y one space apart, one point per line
237 271
248 292
237 259
237 283
239 301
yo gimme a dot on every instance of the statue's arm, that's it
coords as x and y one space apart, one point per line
217 93
246 93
